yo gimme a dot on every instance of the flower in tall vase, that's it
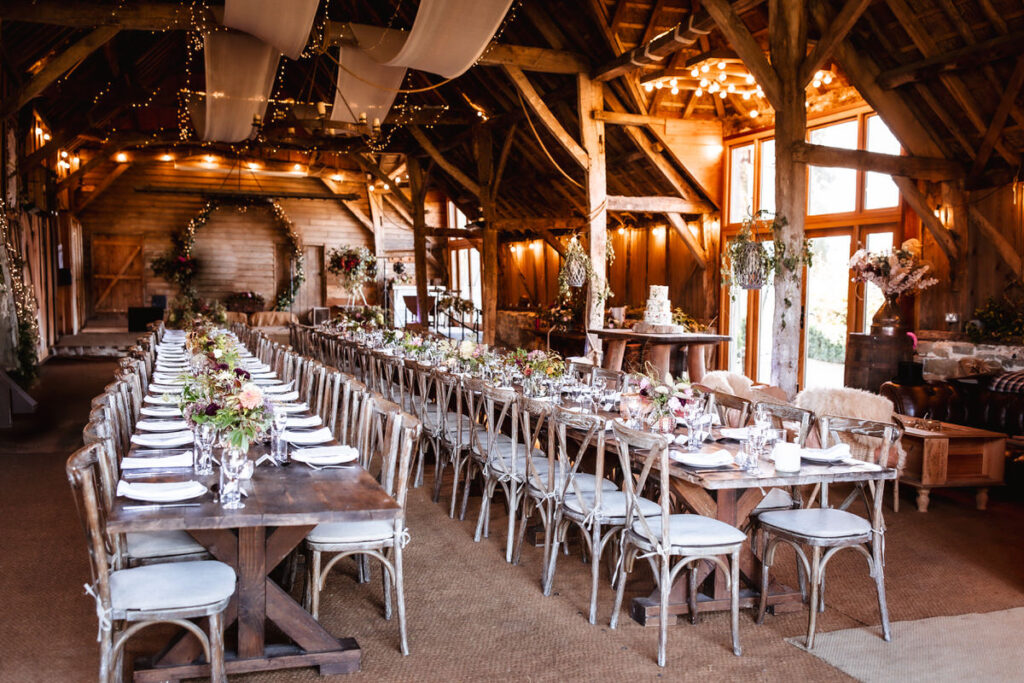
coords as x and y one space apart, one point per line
895 272
354 266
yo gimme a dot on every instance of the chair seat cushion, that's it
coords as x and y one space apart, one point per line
777 499
822 523
692 530
352 532
587 482
613 504
501 462
149 544
172 585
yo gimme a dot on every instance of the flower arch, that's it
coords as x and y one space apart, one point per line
179 267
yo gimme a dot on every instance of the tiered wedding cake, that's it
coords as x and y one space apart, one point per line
658 314
659 309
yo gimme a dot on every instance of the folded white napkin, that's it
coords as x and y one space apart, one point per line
267 383
322 435
284 398
161 411
157 461
157 388
305 421
161 425
160 492
833 454
325 455
715 458
163 440
162 399
291 407
264 375
278 388
168 379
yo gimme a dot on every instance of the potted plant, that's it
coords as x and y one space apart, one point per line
749 264
577 270
895 272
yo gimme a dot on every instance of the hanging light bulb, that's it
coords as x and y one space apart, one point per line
648 87
674 83
675 90
622 231
732 88
721 66
704 82
46 137
722 94
753 113
750 79
698 92
816 83
705 68
336 177
659 85
746 94
714 88
827 78
722 76
166 157
121 157
693 72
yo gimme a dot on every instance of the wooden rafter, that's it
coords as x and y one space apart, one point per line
102 186
916 199
837 31
547 117
534 59
699 253
446 165
970 56
370 166
925 168
655 205
1006 250
738 35
57 67
995 128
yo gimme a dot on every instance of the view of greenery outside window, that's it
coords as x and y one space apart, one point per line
741 188
880 191
828 287
832 190
738 329
873 297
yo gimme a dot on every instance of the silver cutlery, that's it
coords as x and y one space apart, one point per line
154 506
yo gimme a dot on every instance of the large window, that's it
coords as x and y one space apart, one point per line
464 263
846 209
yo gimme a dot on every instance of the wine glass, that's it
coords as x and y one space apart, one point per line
278 423
205 436
232 465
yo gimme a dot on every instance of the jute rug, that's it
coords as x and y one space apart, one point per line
960 648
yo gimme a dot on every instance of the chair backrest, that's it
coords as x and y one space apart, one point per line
330 399
354 395
449 406
832 431
85 480
637 476
418 383
533 418
499 410
589 430
383 420
732 410
584 372
783 414
612 378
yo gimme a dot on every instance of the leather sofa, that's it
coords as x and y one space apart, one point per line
962 400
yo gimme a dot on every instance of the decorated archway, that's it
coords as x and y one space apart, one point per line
180 268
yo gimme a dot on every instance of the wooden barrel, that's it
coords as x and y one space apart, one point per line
872 359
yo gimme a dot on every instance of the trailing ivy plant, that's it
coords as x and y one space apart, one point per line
574 252
771 262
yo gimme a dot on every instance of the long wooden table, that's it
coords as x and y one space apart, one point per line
730 495
282 506
659 349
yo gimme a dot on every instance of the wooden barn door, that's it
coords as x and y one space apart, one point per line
312 293
117 272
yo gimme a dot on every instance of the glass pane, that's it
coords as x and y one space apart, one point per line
738 330
833 190
873 298
879 189
464 273
766 329
741 182
767 200
827 296
475 285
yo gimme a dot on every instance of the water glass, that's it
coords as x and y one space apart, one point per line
202 454
233 464
278 423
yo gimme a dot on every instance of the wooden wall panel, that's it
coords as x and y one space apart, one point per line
697 144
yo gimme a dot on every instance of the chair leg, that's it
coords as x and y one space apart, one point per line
314 584
691 593
106 655
400 598
524 516
895 495
595 568
734 604
485 501
456 471
385 570
557 532
217 674
620 584
465 487
815 579
766 564
439 464
513 501
883 609
664 588
821 591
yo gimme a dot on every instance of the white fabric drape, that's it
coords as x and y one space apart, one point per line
365 89
285 24
447 37
240 71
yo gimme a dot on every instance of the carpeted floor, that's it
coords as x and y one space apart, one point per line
471 615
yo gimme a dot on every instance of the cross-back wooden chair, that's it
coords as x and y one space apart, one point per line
733 411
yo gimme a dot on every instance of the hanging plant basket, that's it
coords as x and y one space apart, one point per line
575 272
749 265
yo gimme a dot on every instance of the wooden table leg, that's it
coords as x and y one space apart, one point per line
922 499
614 355
253 554
660 356
695 362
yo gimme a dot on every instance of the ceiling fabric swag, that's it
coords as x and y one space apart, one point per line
240 71
285 25
447 37
369 95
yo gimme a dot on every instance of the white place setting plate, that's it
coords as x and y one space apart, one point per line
163 399
161 411
322 435
160 492
164 439
157 388
291 407
267 383
717 458
325 455
150 462
828 455
283 398
264 375
168 379
161 425
737 433
277 388
304 421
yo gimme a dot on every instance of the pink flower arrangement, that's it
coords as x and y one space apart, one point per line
250 396
894 272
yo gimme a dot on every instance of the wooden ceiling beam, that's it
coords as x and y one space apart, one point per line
655 205
917 201
1003 246
836 32
995 128
451 169
738 35
678 224
101 187
534 59
970 56
925 168
370 166
546 116
683 35
57 67
148 16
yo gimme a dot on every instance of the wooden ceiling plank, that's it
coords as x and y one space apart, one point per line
998 123
1006 250
102 186
57 67
546 116
836 32
738 35
964 57
655 204
534 59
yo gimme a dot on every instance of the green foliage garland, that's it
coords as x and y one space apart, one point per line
24 306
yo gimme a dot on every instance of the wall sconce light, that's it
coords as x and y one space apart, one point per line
535 245
659 232
121 157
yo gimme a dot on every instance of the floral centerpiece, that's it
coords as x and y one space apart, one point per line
663 400
895 272
364 317
451 303
354 266
185 311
